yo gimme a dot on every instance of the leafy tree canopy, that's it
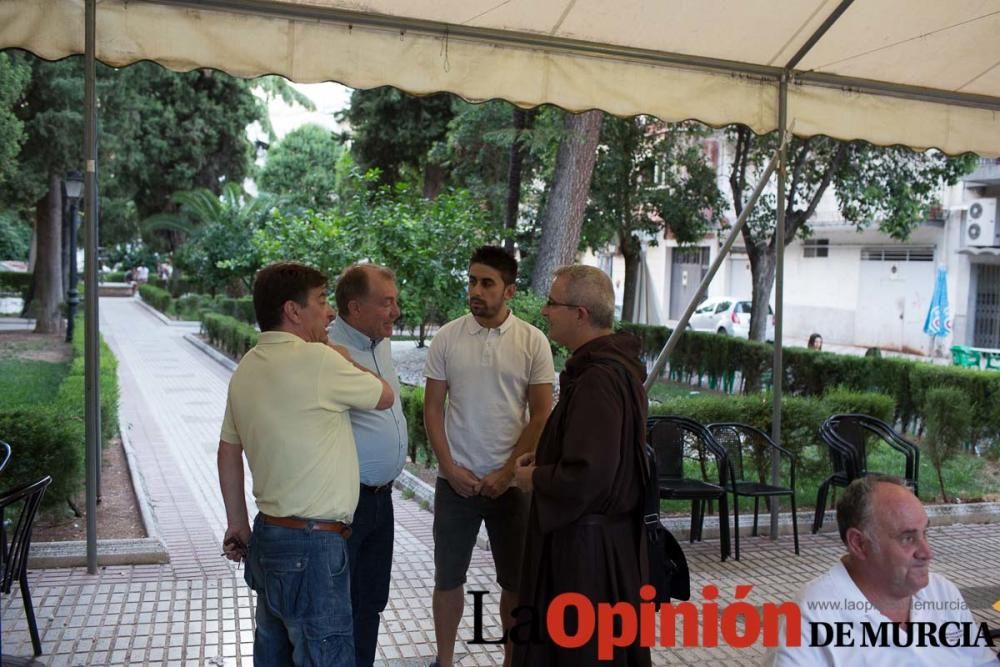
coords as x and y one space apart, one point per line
302 167
14 77
650 177
889 188
392 131
396 227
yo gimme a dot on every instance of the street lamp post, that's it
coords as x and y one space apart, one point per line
73 183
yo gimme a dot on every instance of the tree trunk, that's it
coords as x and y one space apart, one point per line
562 219
434 176
514 179
631 251
48 274
763 263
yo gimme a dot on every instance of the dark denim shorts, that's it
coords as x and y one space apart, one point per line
456 526
303 596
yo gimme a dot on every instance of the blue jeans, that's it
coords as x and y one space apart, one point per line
370 547
303 597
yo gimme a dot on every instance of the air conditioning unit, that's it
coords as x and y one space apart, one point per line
981 223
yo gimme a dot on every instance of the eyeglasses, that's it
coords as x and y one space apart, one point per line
551 304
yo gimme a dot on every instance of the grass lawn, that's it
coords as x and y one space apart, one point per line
24 382
31 368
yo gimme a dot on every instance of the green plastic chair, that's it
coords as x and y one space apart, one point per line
992 360
965 357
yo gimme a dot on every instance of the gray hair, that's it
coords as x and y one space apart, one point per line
353 283
855 509
591 288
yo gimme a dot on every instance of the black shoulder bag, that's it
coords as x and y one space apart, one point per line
668 569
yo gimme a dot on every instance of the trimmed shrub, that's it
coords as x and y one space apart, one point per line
44 441
948 418
419 447
114 277
12 282
191 306
50 439
228 334
843 400
240 309
980 390
156 297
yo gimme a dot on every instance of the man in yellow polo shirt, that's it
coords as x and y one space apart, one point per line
287 410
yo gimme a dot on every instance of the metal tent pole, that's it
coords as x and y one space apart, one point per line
778 372
92 358
661 359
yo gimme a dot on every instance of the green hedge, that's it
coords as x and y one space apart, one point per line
191 306
228 334
413 407
156 297
43 442
12 282
702 358
114 277
50 438
240 309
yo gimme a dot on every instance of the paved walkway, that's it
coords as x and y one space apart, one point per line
196 610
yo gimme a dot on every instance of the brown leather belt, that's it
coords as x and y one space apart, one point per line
311 524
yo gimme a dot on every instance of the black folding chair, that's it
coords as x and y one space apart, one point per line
4 455
742 441
847 438
674 439
14 556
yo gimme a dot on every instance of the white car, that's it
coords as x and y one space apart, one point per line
728 316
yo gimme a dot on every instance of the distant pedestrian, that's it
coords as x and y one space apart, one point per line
816 342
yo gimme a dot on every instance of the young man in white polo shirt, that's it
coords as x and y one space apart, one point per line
496 372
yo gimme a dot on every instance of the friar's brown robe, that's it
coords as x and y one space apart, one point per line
584 533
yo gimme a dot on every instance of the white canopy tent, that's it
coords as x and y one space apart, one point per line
920 73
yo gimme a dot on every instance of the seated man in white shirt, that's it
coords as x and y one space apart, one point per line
881 604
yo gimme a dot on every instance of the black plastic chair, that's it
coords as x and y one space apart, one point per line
673 439
847 438
14 556
740 440
4 455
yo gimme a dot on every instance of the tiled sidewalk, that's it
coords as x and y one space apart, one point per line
196 610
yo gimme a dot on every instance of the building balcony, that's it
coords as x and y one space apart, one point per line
987 173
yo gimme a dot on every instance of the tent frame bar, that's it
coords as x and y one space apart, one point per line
769 73
734 232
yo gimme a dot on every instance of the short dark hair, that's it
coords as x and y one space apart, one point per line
854 509
499 259
813 337
279 283
354 284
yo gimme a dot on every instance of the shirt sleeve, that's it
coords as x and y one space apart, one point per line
345 386
542 369
435 367
229 433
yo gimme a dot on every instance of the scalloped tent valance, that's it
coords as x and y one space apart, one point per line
922 73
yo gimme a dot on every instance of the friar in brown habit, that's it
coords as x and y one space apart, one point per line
584 530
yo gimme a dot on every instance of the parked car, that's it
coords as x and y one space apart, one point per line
729 316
